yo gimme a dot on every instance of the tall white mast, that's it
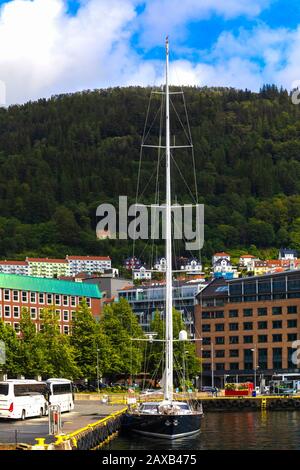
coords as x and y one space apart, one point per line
168 394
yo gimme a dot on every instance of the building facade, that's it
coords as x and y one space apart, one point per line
47 267
249 324
14 267
88 264
146 300
142 274
35 294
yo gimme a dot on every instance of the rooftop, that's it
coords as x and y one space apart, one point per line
51 286
14 263
45 260
88 258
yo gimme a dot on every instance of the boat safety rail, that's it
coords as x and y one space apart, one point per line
92 435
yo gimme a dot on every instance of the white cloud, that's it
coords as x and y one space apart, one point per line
43 50
163 17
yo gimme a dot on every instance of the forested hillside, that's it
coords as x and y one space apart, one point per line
60 158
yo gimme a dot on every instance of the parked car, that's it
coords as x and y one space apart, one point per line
206 388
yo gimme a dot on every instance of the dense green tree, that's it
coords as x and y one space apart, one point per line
60 354
185 360
89 341
32 356
120 326
9 339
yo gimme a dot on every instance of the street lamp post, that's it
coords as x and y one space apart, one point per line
98 389
201 372
254 366
212 366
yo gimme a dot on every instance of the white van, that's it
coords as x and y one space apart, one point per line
20 399
60 392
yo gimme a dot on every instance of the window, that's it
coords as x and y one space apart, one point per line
65 300
206 341
233 339
220 327
7 311
33 297
234 365
73 301
276 310
248 339
277 358
73 315
292 323
66 329
276 324
248 359
233 313
220 314
206 367
292 336
262 338
6 294
233 326
57 299
248 312
220 366
277 338
248 325
205 315
17 327
292 309
66 315
41 298
262 325
206 354
16 296
49 299
16 312
206 327
24 296
33 313
41 313
262 311
220 353
220 340
263 358
88 301
233 353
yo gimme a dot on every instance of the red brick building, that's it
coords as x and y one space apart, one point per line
35 294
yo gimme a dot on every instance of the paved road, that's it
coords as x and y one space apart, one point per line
85 412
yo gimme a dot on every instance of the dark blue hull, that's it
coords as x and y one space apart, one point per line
163 426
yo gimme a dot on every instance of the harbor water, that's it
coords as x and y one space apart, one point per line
228 430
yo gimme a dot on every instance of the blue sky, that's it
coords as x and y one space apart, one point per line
55 46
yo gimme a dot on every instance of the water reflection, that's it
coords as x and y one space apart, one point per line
240 430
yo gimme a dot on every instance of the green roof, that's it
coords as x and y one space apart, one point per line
51 286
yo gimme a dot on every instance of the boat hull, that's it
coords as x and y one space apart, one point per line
163 426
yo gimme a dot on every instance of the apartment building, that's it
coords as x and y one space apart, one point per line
249 324
47 267
14 267
88 264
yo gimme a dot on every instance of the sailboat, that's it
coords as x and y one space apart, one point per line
168 419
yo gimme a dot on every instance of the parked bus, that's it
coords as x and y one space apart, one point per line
61 393
20 399
285 383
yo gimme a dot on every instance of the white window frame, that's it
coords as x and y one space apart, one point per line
17 330
17 293
7 294
58 312
7 309
59 299
24 294
66 312
41 295
15 307
33 313
65 300
66 329
33 296
51 297
73 301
